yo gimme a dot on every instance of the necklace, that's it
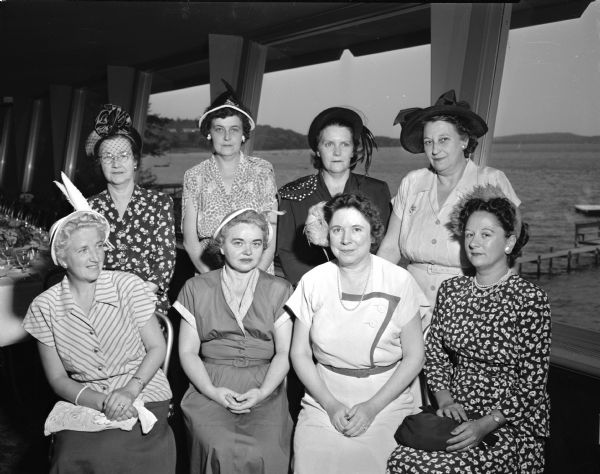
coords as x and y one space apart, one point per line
339 281
480 291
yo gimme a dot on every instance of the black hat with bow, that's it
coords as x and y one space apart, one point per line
412 120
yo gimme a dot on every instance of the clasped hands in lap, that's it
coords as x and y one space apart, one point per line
118 405
237 403
352 421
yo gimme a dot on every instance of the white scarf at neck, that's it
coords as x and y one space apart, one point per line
238 306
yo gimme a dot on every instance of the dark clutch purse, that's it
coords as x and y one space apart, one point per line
428 432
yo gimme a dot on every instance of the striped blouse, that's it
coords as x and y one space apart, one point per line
104 349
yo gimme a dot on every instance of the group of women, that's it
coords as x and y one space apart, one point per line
350 319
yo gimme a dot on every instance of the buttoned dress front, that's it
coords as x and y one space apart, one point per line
103 350
425 240
238 358
364 338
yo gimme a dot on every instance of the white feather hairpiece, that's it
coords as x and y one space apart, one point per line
73 194
80 205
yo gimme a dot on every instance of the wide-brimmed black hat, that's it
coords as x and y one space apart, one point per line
110 122
411 120
350 117
229 100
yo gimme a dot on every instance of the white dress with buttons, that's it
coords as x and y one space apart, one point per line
434 254
353 339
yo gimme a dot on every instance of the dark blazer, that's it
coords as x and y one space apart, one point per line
297 256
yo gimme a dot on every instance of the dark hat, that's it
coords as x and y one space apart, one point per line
350 117
411 120
110 122
227 99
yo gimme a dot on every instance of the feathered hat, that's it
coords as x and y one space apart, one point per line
359 129
411 120
112 121
227 99
80 205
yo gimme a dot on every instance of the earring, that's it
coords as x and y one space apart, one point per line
464 146
208 137
135 168
507 250
243 139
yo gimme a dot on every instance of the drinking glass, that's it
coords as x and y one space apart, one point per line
5 249
23 258
4 266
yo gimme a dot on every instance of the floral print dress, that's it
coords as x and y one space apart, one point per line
143 239
253 187
491 351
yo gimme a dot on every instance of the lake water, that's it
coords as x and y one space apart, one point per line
549 180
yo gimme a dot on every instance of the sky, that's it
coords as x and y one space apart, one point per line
551 83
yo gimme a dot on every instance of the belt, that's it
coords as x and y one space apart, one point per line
433 269
237 362
361 373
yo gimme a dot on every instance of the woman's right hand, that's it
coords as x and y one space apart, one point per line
453 410
337 415
227 398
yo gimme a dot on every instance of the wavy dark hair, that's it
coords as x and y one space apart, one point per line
362 204
507 215
221 114
461 128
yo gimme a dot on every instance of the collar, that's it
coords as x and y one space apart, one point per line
106 293
243 160
469 176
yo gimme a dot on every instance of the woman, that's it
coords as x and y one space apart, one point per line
227 181
358 316
234 347
142 223
340 141
101 347
447 132
488 351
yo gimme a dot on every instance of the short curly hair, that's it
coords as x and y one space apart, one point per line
507 215
80 221
362 204
221 114
246 217
461 128
357 152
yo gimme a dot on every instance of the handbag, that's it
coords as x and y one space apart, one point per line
429 432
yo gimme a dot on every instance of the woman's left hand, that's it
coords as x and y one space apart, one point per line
248 400
466 436
359 418
118 405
